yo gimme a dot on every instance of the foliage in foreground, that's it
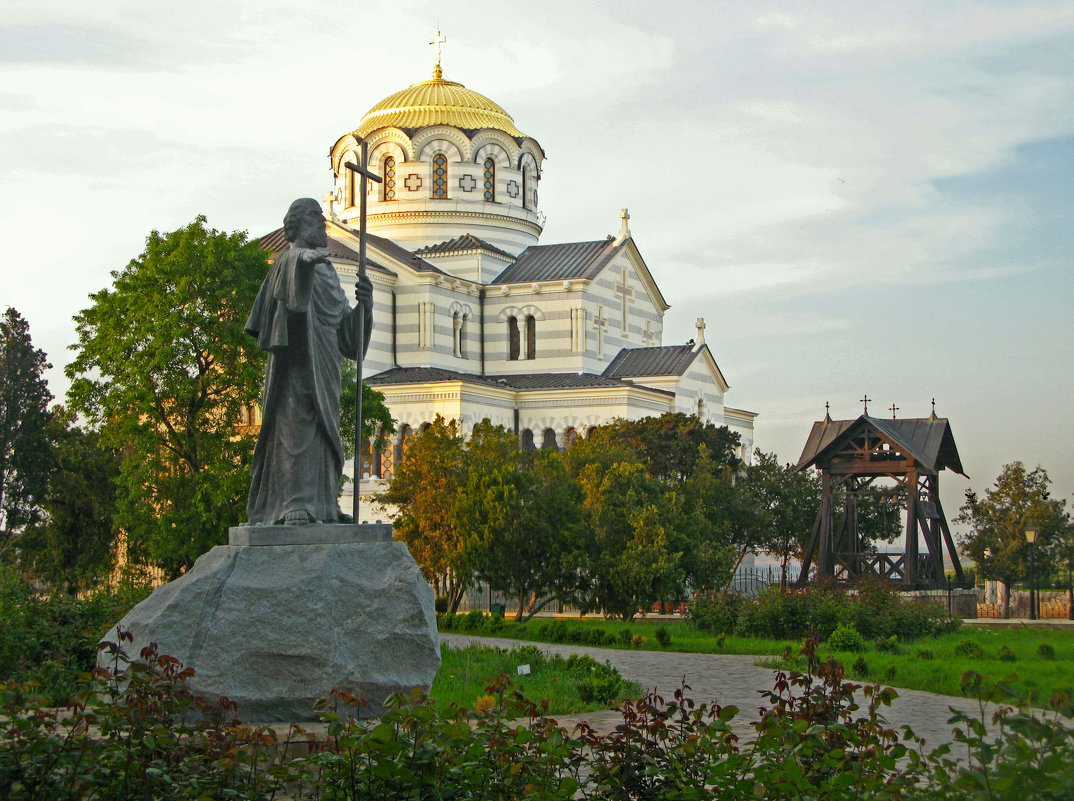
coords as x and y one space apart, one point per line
49 640
139 733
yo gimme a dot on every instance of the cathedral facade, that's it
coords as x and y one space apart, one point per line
473 318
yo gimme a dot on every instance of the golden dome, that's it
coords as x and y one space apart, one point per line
437 102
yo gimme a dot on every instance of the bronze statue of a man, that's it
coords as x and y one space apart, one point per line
302 318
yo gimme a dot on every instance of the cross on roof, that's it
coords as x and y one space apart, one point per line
866 400
827 411
438 40
329 200
894 409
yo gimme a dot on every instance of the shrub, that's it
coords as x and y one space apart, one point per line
860 668
625 636
1045 651
1006 654
441 604
968 649
846 638
662 636
924 653
474 620
50 640
714 612
638 640
888 646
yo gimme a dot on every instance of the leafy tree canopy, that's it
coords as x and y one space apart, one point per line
788 500
670 445
71 547
996 540
520 517
426 489
26 458
163 370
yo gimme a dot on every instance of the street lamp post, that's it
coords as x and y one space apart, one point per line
1031 532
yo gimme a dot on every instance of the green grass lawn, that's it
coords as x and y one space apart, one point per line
937 664
568 685
930 663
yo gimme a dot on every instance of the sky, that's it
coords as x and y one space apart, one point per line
861 199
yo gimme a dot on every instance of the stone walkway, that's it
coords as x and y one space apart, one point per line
731 680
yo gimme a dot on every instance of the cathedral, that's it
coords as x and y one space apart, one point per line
473 318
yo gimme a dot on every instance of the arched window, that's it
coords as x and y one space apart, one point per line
570 437
402 445
387 173
439 176
456 327
490 180
531 337
525 188
514 341
353 187
701 408
527 440
384 459
549 440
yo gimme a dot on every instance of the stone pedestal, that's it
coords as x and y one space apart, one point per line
274 624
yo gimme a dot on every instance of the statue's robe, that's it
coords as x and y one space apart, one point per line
302 318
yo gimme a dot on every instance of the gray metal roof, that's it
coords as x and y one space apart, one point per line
522 382
928 439
424 375
570 260
664 360
461 244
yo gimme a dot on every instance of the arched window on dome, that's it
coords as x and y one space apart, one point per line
514 341
490 180
531 337
439 176
525 188
387 172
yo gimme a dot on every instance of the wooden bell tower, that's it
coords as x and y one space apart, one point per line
851 455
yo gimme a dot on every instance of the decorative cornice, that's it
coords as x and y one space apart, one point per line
425 216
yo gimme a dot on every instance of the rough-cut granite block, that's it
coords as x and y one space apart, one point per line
274 628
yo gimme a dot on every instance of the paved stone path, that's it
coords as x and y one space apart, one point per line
731 680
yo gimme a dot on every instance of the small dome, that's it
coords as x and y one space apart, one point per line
437 102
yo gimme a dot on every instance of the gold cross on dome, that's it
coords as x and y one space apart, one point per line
438 40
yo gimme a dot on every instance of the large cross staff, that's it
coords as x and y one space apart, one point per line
359 318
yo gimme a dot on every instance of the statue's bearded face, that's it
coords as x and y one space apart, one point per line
313 232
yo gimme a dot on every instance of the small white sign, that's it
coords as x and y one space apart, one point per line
523 670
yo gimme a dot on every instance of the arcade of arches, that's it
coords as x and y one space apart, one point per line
382 463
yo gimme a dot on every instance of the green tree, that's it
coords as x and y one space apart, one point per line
996 541
26 457
788 499
163 370
71 547
377 422
625 558
520 518
669 445
426 490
